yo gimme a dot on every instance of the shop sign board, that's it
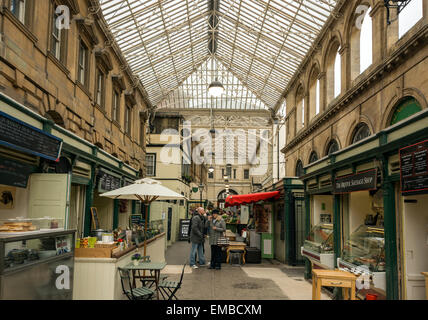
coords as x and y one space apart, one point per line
107 182
21 136
136 219
414 168
184 229
14 173
361 181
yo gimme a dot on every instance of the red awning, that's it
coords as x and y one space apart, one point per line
236 200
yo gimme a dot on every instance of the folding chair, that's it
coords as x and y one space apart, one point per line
148 281
142 293
170 288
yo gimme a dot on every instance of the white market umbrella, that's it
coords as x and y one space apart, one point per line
146 190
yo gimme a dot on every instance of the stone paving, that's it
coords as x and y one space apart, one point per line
270 280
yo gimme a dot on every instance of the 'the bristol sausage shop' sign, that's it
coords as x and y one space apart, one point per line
414 168
356 182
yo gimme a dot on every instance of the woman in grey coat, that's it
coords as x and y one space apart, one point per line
216 227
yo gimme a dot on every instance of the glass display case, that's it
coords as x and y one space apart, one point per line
319 245
364 252
32 264
19 225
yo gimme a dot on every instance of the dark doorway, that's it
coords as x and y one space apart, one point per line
169 224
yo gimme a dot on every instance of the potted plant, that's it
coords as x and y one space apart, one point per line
136 258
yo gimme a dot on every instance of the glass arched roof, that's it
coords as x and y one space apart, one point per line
257 44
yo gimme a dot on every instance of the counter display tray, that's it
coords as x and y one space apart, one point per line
27 233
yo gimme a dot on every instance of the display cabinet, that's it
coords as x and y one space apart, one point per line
37 265
318 247
364 252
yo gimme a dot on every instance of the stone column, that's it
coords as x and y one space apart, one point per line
378 15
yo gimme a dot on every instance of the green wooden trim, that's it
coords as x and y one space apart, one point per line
134 206
115 214
391 261
89 202
336 228
288 228
79 180
308 268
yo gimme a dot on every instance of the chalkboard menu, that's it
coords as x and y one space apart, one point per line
95 221
414 168
136 219
184 229
366 180
14 173
21 136
107 182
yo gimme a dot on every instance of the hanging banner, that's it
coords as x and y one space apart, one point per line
361 181
414 168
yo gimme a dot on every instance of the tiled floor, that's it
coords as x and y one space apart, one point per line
269 280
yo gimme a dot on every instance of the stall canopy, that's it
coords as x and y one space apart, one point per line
236 200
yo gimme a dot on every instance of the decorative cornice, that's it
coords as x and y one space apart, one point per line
103 57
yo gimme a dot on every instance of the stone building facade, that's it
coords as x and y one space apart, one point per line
76 76
364 102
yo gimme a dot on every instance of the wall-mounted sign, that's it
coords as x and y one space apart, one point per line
361 181
107 182
20 136
414 168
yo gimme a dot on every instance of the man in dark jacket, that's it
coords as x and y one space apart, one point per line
197 238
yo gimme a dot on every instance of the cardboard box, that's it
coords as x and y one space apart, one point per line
92 252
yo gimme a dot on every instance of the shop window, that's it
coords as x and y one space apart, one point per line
410 15
332 147
313 157
361 132
299 169
246 174
150 164
406 108
82 73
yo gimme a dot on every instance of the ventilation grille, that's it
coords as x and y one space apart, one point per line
325 183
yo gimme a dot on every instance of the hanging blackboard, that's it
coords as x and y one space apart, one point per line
414 168
14 173
136 219
18 135
184 229
107 182
95 221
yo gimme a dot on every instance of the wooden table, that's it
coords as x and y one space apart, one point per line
333 278
236 246
150 266
426 284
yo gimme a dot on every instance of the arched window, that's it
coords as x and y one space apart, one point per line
333 70
300 111
314 93
337 75
313 157
55 117
366 44
361 132
410 15
332 147
404 109
299 169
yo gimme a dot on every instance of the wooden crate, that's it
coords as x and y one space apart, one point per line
92 252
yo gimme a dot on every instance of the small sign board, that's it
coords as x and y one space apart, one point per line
366 180
95 221
136 218
184 229
107 182
414 168
21 136
14 173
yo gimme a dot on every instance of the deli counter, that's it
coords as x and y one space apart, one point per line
37 264
318 247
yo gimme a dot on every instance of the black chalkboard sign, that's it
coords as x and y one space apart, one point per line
14 173
184 229
107 182
21 136
136 219
95 221
414 168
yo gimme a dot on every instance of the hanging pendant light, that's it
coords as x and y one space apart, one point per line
216 88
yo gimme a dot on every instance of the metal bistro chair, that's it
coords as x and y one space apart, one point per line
142 293
170 288
148 281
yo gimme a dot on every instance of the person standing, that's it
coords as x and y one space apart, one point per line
216 227
197 238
